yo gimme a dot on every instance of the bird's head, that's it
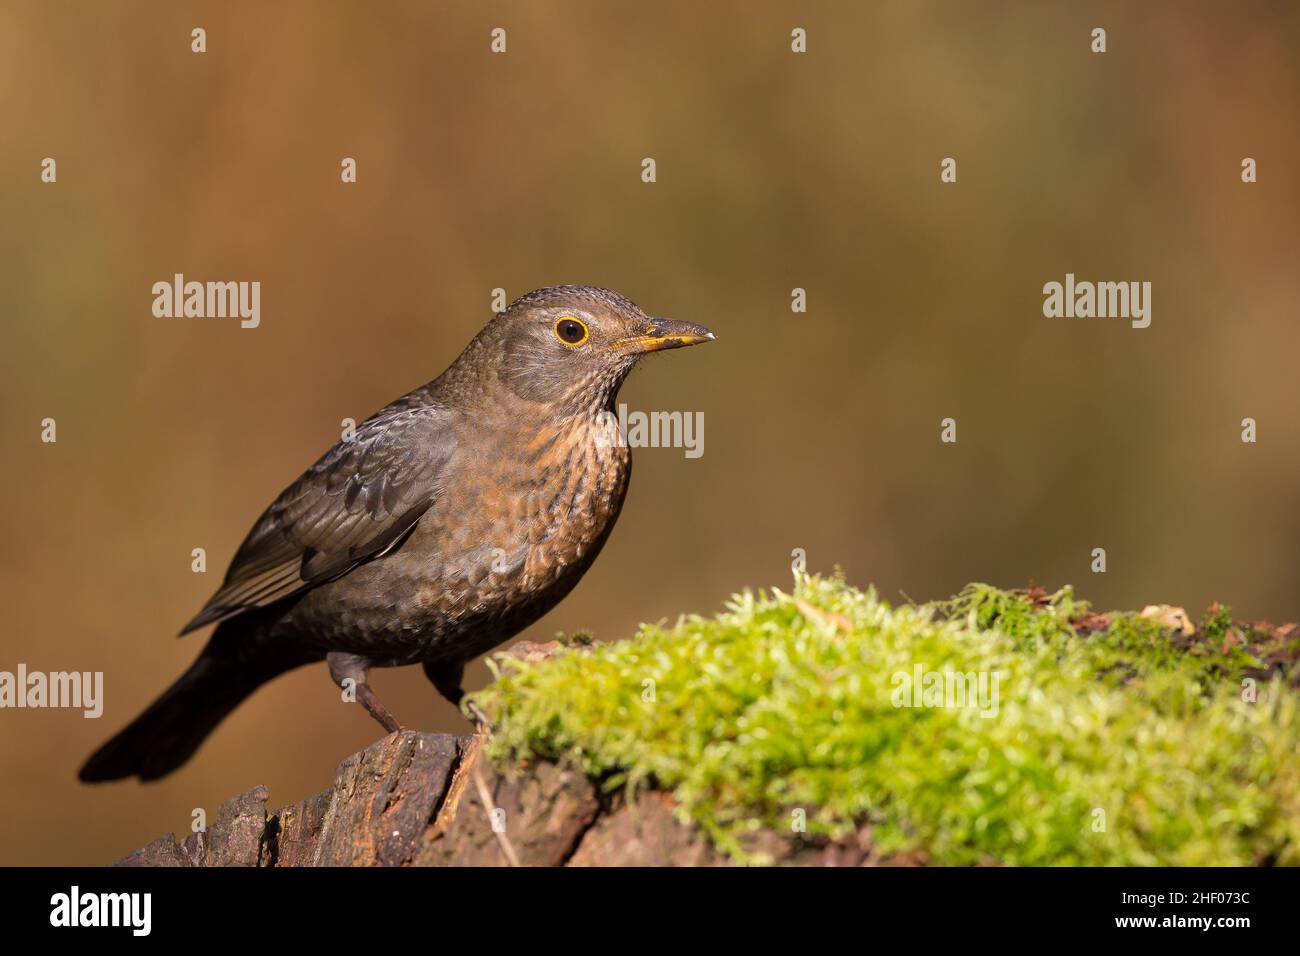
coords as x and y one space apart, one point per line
571 347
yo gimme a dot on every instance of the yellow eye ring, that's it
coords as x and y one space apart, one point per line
572 332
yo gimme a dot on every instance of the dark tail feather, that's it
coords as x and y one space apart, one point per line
167 734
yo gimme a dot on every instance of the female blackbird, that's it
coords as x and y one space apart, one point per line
456 517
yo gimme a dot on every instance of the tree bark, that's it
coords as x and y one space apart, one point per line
417 799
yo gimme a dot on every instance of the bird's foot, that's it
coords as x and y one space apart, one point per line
375 707
481 722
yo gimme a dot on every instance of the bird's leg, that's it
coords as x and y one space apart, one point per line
446 677
376 709
350 667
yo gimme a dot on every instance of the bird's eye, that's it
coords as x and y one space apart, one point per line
570 331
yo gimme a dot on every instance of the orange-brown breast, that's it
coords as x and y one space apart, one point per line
510 534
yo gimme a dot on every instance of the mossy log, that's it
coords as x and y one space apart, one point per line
420 799
798 729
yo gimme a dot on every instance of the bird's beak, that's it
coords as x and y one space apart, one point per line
666 334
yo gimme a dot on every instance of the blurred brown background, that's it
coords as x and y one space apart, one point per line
775 170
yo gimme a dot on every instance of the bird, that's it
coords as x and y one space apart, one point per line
454 518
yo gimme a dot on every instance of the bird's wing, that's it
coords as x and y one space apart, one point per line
355 504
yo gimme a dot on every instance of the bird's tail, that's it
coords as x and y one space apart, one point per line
166 735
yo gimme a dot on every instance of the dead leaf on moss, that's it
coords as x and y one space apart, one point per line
1090 623
825 618
1174 619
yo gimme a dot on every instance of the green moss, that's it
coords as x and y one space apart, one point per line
1127 647
1217 621
787 702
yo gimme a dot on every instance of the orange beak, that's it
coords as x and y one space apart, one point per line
667 334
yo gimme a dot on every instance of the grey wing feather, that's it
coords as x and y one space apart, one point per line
359 501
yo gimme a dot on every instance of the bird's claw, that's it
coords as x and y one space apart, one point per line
482 724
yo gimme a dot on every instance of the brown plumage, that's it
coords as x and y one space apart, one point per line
457 516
